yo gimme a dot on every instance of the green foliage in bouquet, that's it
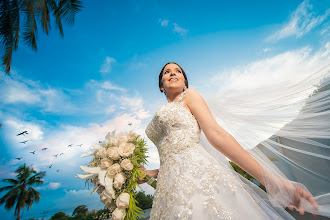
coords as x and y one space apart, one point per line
137 158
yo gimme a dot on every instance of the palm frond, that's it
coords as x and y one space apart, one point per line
30 27
33 196
13 193
6 188
9 30
36 179
52 5
69 9
45 19
12 181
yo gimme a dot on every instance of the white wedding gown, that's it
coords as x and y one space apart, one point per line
191 183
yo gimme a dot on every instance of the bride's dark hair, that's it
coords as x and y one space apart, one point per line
160 82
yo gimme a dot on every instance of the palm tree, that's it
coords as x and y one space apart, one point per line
20 191
17 14
81 209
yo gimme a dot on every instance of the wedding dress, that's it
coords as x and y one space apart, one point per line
196 182
191 184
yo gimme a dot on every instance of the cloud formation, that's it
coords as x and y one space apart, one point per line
176 28
302 20
106 66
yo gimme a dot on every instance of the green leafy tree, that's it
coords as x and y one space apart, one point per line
22 17
144 201
59 216
81 209
21 192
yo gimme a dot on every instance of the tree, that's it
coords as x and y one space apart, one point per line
144 201
59 216
81 209
21 192
18 14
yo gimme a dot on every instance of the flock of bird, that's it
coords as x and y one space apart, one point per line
43 149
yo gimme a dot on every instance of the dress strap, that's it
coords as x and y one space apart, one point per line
181 97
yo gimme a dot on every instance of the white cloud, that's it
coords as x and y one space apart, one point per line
106 66
176 28
16 126
49 186
179 30
163 23
265 50
301 21
288 66
142 114
15 89
78 197
54 185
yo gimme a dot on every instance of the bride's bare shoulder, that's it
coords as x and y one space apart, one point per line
192 95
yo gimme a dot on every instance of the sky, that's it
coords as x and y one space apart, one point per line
103 74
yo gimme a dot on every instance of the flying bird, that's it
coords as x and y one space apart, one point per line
44 148
50 166
55 155
33 152
130 124
79 145
70 145
18 158
57 170
23 142
61 154
22 133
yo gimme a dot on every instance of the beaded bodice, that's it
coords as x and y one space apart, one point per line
173 129
186 168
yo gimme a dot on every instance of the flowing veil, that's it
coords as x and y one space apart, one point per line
286 128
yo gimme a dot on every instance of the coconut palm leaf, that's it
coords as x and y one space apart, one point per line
20 192
28 14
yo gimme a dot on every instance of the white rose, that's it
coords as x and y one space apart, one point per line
123 200
131 136
114 169
105 197
126 150
122 139
102 153
119 180
113 153
105 163
114 142
118 214
126 164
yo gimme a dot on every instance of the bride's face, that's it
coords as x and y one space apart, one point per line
172 77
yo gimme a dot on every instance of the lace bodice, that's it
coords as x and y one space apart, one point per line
173 129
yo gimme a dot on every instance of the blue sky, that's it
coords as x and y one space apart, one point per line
103 74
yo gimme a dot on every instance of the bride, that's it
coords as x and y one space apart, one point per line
192 184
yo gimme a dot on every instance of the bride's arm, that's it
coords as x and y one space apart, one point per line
226 144
219 138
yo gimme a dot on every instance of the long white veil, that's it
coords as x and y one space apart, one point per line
286 128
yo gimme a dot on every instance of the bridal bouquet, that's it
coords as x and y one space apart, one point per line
114 171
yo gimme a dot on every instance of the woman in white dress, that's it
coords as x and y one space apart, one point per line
191 184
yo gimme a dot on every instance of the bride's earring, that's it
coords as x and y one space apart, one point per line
164 91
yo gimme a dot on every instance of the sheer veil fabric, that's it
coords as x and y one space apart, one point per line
286 128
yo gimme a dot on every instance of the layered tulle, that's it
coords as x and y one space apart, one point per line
286 128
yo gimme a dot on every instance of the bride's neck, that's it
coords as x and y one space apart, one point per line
172 96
